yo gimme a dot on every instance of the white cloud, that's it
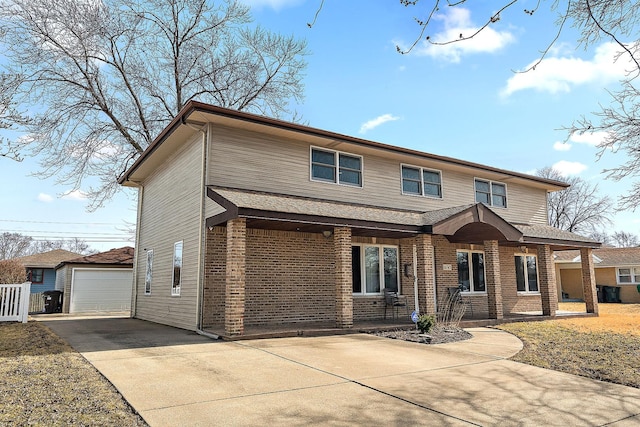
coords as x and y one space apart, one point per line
274 4
558 74
561 146
74 195
372 124
589 138
457 22
46 198
566 168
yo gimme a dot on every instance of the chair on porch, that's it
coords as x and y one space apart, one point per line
455 297
395 301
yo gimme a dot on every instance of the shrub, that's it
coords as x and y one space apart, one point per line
12 271
426 322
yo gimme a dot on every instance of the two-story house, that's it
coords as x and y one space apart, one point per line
245 220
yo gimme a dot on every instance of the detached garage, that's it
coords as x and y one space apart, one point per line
97 283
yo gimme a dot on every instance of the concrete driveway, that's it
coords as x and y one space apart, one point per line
174 377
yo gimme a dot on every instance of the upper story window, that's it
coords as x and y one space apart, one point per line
421 182
630 275
336 167
491 193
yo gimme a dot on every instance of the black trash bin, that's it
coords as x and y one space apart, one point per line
52 301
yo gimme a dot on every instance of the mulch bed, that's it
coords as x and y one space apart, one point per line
437 335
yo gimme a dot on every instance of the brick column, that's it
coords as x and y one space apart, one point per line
494 281
343 277
406 281
589 280
426 276
548 288
235 276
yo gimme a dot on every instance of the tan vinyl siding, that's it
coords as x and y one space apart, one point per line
211 208
249 160
170 213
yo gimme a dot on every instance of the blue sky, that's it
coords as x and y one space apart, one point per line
461 100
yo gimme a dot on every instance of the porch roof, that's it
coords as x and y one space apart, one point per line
470 223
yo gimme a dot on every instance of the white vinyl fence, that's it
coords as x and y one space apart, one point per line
14 302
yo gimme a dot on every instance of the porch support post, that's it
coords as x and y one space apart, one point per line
343 277
235 276
548 288
426 276
589 280
494 281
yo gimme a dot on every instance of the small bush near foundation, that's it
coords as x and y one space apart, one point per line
426 322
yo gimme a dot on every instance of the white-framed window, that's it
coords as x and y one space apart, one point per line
148 273
336 167
176 276
421 182
374 267
471 276
628 275
491 193
527 273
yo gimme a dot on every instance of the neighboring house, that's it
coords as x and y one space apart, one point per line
614 268
97 283
40 268
246 221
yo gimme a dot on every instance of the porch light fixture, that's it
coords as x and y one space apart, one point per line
524 249
327 233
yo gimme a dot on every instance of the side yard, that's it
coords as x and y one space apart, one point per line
605 348
45 382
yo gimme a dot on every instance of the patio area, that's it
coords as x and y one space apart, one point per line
311 329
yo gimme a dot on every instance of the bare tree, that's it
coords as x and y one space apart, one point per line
579 208
13 245
97 80
73 245
602 237
12 271
617 21
623 239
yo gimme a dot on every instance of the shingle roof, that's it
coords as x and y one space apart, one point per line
605 257
549 232
308 206
47 259
120 256
272 202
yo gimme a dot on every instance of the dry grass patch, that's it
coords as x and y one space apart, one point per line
46 383
605 348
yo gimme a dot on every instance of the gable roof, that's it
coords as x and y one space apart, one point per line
195 115
47 259
121 256
604 257
473 221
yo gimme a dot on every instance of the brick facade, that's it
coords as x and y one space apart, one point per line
295 277
494 279
589 280
235 278
548 288
343 277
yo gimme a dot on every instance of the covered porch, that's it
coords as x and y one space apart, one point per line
292 266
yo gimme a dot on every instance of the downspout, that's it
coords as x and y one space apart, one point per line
134 297
203 230
415 279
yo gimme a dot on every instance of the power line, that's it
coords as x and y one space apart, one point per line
63 232
60 222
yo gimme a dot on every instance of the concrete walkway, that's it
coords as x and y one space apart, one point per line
174 377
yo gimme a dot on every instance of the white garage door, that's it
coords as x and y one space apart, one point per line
95 290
